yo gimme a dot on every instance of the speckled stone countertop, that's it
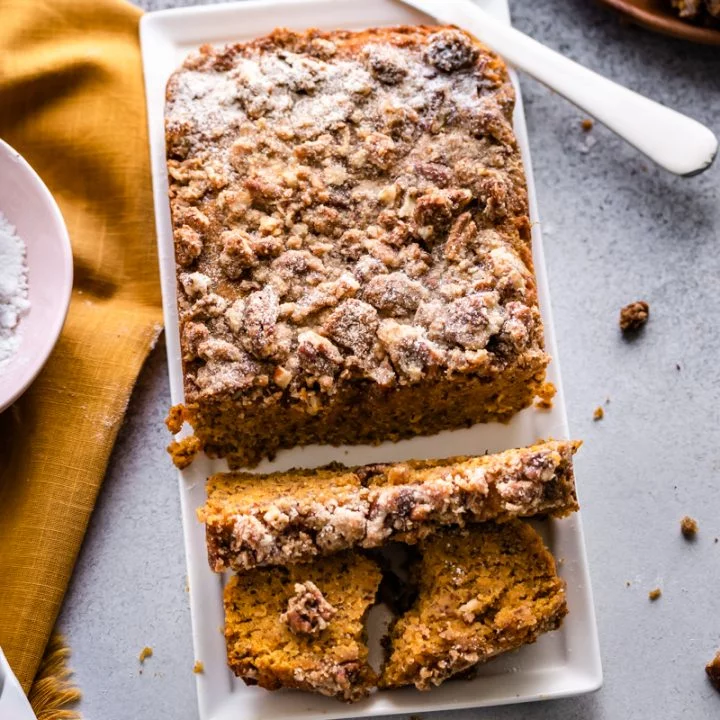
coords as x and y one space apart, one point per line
616 230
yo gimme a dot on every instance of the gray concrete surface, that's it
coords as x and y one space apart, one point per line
616 230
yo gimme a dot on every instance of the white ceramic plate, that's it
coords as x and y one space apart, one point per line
563 663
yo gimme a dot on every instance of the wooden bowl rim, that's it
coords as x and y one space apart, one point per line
664 23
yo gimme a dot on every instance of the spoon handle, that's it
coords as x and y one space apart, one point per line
672 140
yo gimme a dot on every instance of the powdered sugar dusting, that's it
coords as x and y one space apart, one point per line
14 301
347 208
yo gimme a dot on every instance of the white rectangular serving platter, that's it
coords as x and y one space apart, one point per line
560 664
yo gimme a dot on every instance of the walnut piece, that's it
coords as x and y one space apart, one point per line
689 527
308 612
634 316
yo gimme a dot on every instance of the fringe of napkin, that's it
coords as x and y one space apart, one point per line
53 693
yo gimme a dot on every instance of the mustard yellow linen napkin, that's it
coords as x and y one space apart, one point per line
71 102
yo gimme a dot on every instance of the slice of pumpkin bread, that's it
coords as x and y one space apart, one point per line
482 591
290 517
303 627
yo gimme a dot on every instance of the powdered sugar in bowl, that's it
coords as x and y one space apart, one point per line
35 277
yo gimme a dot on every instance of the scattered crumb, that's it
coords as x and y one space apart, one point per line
198 667
599 413
415 717
713 671
145 653
184 451
688 527
587 124
627 583
175 418
716 539
677 367
655 594
634 316
545 396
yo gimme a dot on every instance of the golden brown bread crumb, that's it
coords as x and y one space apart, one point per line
598 413
545 394
145 653
713 671
294 516
184 451
198 667
175 418
655 594
352 239
265 651
587 124
688 527
482 591
634 316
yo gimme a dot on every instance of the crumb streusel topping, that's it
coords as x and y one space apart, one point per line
344 212
404 501
308 612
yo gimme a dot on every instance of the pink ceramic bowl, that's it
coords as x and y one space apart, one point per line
27 203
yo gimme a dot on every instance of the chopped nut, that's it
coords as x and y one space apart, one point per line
470 609
335 175
188 245
388 194
387 64
195 284
198 667
395 293
317 355
282 377
599 413
237 254
655 594
634 316
688 527
308 612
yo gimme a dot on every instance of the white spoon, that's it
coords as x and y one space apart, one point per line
672 140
